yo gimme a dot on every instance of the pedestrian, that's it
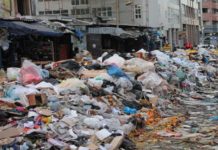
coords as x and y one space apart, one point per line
174 47
1 63
75 51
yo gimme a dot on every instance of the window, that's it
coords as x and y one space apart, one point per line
73 12
77 11
109 12
138 13
41 13
94 10
215 11
80 11
205 10
64 12
84 2
102 12
73 2
79 2
215 23
48 12
56 12
87 11
99 11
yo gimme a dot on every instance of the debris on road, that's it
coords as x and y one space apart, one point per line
110 104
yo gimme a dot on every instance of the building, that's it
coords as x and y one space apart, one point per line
102 11
22 7
5 8
141 13
178 20
168 14
190 22
13 8
210 19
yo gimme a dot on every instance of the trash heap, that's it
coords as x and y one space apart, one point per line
119 101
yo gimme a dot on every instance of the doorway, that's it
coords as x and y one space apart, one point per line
23 7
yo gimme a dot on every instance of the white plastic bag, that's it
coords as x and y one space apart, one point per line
211 69
150 80
180 53
115 59
203 51
95 83
124 83
93 122
139 66
13 73
185 62
16 92
161 57
70 84
113 123
143 51
42 85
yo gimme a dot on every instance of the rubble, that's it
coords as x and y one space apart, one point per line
127 103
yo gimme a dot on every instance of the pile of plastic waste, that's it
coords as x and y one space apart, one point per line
114 102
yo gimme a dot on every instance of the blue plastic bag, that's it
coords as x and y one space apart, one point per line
10 93
44 73
129 111
115 71
214 118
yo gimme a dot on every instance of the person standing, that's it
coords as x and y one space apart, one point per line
1 65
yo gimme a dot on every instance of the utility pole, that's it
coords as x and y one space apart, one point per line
117 13
147 13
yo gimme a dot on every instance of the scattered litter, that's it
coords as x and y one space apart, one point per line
111 103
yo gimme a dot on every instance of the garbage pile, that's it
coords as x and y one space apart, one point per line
114 102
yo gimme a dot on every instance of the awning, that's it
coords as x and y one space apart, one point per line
21 28
114 31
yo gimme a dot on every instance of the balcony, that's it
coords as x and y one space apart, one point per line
210 17
209 4
190 21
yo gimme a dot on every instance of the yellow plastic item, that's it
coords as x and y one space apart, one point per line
167 47
46 120
215 52
191 51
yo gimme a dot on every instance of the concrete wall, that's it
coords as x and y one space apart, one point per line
165 15
190 20
156 13
121 13
168 15
5 8
51 6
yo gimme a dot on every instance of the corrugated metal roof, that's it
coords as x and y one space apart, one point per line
114 31
21 28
